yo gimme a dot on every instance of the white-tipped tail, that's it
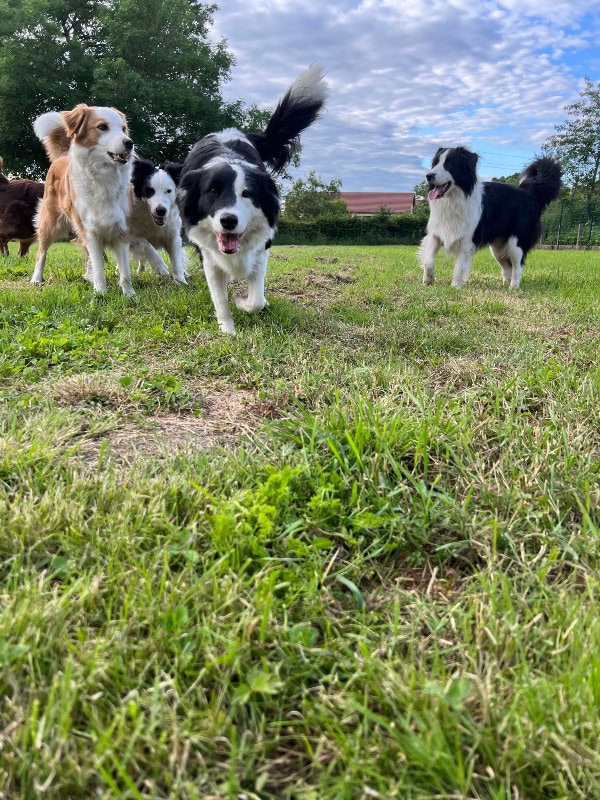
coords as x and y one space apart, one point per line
45 124
310 85
296 111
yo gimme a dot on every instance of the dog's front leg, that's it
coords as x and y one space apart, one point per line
144 251
121 251
427 253
256 300
96 261
462 267
218 281
175 251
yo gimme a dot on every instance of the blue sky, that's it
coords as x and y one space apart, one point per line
407 77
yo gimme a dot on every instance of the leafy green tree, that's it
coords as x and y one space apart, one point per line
152 59
576 143
512 179
312 198
421 189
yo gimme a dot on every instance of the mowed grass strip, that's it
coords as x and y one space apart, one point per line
350 553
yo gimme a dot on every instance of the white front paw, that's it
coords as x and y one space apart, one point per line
227 326
244 305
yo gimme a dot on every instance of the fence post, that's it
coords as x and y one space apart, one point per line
578 236
559 224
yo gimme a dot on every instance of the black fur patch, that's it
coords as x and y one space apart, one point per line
143 169
173 170
462 165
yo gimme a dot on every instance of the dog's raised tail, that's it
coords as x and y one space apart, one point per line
541 179
50 130
297 110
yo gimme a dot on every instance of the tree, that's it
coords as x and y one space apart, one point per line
152 59
311 198
576 143
513 179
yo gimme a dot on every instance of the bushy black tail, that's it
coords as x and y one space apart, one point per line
541 180
298 108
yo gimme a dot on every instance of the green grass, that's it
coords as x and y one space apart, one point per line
350 553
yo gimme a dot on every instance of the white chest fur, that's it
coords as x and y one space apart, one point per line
453 219
101 194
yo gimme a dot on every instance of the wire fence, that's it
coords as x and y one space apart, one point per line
571 223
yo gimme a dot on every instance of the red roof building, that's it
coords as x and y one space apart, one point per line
369 203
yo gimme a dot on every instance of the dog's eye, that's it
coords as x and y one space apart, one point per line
168 191
103 126
148 192
246 193
124 129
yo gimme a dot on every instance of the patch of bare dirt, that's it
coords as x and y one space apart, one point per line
457 374
224 417
315 288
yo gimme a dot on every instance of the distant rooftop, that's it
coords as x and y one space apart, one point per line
371 202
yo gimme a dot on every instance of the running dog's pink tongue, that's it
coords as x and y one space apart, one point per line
433 193
228 242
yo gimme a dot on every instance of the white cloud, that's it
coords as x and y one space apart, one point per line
408 76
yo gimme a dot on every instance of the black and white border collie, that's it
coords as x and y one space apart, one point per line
154 221
229 203
466 214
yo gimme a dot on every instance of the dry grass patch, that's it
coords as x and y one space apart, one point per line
225 417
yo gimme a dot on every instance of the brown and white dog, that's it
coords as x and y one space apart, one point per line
87 187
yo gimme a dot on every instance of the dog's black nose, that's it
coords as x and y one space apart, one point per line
430 176
128 145
160 211
229 221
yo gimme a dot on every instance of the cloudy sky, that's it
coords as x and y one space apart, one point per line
407 76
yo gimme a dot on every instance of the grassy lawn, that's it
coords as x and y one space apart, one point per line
350 553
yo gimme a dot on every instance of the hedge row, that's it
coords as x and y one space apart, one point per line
394 229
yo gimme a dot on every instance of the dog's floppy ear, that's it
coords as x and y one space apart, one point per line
75 120
188 191
190 183
472 158
142 169
437 155
173 170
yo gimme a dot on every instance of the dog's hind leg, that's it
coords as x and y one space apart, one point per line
256 300
3 247
516 255
47 225
498 251
427 253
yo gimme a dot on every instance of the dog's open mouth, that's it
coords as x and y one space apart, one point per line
160 221
119 158
438 191
229 242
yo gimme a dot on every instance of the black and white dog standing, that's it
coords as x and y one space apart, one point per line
229 202
466 214
154 221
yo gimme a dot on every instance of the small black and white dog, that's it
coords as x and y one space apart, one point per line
466 214
229 203
154 221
